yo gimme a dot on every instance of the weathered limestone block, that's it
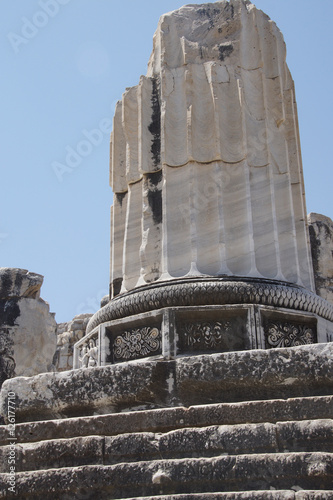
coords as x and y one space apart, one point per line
67 334
56 453
321 237
205 156
203 379
259 473
27 328
249 495
167 419
283 437
19 283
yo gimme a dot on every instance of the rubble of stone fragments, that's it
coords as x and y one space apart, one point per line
67 335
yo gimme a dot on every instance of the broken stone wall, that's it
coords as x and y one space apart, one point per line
321 238
27 328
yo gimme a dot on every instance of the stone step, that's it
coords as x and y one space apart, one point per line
167 419
247 495
286 471
230 377
282 437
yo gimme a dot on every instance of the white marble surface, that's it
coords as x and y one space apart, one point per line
216 115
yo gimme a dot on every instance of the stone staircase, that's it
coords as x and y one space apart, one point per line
269 449
252 424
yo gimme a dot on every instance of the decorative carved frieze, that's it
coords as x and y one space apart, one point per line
204 335
203 291
212 333
88 356
190 330
137 343
284 334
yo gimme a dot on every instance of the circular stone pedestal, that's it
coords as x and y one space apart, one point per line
204 315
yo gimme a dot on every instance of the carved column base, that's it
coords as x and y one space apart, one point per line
187 317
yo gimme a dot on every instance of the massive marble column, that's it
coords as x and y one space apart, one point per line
210 248
205 156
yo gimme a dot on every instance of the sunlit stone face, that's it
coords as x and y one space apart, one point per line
205 155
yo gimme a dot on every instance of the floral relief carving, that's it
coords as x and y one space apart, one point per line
280 334
204 335
137 343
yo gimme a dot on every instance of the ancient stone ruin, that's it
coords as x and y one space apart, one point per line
208 371
27 328
209 209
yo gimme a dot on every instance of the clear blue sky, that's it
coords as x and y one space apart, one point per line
63 67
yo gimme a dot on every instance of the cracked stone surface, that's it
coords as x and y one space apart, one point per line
205 152
204 379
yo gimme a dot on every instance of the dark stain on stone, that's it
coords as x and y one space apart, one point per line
7 362
203 12
324 228
56 357
154 178
5 285
162 373
9 311
155 196
225 51
229 11
315 245
155 125
208 12
116 287
18 281
120 198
